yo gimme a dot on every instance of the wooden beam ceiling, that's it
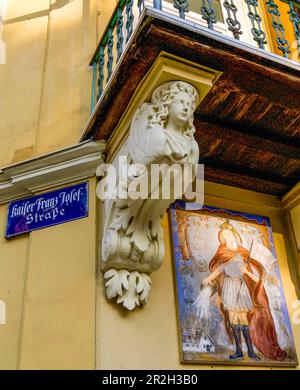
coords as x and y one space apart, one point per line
247 127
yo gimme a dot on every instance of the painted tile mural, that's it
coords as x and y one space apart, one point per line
232 308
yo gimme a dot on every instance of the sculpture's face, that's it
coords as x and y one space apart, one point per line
181 108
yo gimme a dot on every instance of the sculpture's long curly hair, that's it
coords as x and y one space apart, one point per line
162 99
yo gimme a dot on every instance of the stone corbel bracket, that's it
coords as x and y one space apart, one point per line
161 132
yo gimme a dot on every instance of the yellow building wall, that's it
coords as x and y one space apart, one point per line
148 338
45 85
48 283
48 278
13 266
292 224
295 220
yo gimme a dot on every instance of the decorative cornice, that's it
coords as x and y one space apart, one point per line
57 168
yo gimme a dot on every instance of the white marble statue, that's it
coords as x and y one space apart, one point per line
162 132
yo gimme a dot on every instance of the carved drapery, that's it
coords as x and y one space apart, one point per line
161 133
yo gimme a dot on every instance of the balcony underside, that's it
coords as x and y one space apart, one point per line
247 127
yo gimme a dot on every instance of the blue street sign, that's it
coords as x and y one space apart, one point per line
51 208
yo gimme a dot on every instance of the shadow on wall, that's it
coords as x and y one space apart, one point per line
58 4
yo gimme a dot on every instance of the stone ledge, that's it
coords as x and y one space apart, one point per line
46 171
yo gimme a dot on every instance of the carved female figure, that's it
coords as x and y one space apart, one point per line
162 132
164 128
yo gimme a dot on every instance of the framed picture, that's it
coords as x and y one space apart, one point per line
231 305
